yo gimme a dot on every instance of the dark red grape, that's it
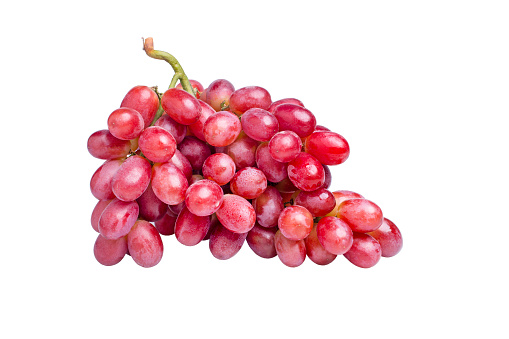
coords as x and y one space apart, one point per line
261 241
319 202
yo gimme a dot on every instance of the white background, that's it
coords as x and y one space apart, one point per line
418 88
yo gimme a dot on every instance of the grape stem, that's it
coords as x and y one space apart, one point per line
148 46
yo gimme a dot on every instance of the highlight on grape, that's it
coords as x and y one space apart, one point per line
227 166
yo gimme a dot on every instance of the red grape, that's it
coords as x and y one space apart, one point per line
204 197
261 241
176 209
219 167
144 100
197 87
365 251
224 244
389 237
328 177
295 118
168 183
328 147
341 196
248 183
243 151
118 218
151 208
96 213
100 184
190 229
157 144
306 173
181 106
259 124
109 252
273 106
131 179
315 250
181 162
221 129
219 92
295 222
103 145
286 186
125 123
166 225
145 244
292 253
361 215
249 97
285 146
275 171
177 131
195 150
268 206
236 214
197 127
335 235
319 202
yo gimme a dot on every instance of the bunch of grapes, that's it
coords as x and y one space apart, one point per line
228 166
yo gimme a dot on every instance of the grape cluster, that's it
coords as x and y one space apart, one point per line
228 166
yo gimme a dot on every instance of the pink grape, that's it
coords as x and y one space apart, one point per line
221 129
96 213
109 252
204 197
151 208
315 250
118 218
157 144
125 123
181 106
236 214
219 167
335 235
273 106
131 179
219 92
268 206
361 215
295 222
292 253
103 145
166 225
195 150
306 172
178 131
144 100
261 241
365 251
341 196
249 97
275 171
328 177
190 229
259 124
248 183
100 184
224 244
181 162
243 151
389 237
319 202
295 118
145 244
169 183
197 87
197 127
176 209
328 147
285 146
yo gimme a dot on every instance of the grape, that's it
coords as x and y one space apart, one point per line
249 183
306 173
103 145
236 214
176 209
259 124
328 177
243 151
109 252
195 178
181 106
197 87
177 131
334 235
204 197
389 237
143 100
221 129
151 208
365 251
100 184
197 127
295 222
145 244
285 146
118 218
195 150
168 183
249 97
273 106
219 92
318 202
219 167
361 215
96 213
315 250
181 162
224 244
261 241
131 179
274 171
190 229
292 253
157 144
321 128
268 206
286 186
341 196
213 224
125 123
328 147
295 118
166 225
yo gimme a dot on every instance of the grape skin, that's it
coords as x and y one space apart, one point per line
131 179
293 101
103 145
361 215
181 106
178 131
295 222
285 146
328 147
334 235
243 151
190 229
219 92
315 250
157 144
318 202
389 237
236 214
248 183
224 244
275 171
295 118
109 252
143 100
101 182
145 244
118 218
219 167
261 241
195 150
204 197
125 123
306 173
166 225
169 183
96 213
197 127
292 253
268 206
249 97
151 208
259 124
221 129
365 251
